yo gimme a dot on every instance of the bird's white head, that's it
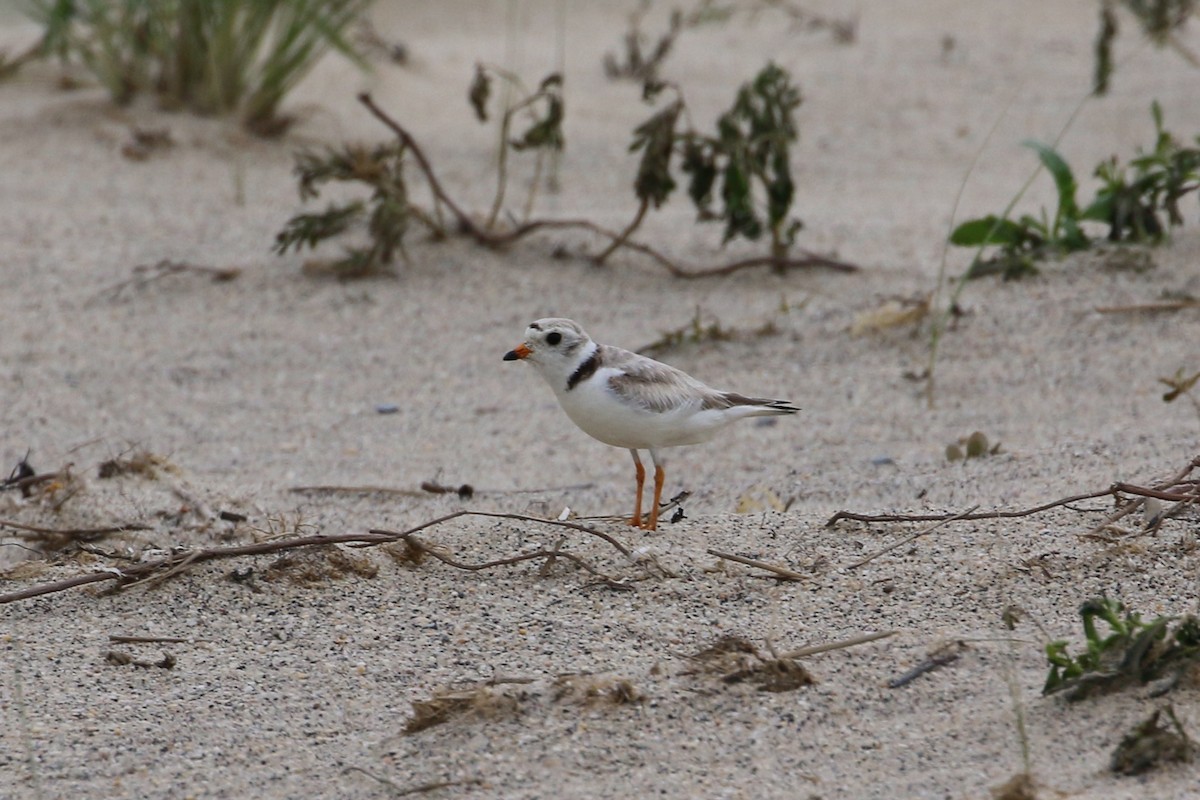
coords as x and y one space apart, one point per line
555 346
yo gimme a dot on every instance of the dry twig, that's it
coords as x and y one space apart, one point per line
841 644
1177 489
1162 305
782 573
172 565
946 654
549 555
117 638
907 539
145 274
71 533
399 791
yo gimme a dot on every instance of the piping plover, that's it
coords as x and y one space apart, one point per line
627 400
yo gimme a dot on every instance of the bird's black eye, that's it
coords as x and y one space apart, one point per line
553 338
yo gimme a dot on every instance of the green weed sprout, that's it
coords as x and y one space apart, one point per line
1131 651
1138 202
1028 239
1133 199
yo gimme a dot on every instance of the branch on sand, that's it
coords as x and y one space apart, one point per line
498 240
176 563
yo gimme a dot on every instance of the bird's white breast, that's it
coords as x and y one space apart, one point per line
603 414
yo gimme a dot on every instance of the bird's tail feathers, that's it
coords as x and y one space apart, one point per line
759 406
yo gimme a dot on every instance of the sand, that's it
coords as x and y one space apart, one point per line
281 686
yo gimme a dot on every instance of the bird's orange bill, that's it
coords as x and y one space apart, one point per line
520 351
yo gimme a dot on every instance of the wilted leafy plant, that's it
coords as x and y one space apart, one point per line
543 135
1132 651
208 56
748 157
385 214
747 163
641 63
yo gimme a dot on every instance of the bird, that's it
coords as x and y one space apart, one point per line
630 401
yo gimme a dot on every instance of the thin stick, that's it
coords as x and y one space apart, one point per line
369 489
144 274
549 555
781 572
853 641
625 234
399 791
73 532
663 508
148 568
1176 489
841 515
328 489
158 577
917 535
177 561
1135 308
625 551
117 638
1174 497
947 654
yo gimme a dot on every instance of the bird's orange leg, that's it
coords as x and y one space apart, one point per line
660 475
636 521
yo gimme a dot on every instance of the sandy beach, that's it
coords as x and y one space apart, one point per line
241 411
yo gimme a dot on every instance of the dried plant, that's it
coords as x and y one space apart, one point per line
385 214
1160 20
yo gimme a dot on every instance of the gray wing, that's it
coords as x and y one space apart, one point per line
656 386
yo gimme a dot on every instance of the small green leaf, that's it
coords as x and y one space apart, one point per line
309 230
1064 180
987 230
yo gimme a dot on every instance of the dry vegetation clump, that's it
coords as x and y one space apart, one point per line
1018 787
478 702
314 566
1160 739
595 690
735 660
139 462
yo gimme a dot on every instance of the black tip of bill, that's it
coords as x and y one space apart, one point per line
511 355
